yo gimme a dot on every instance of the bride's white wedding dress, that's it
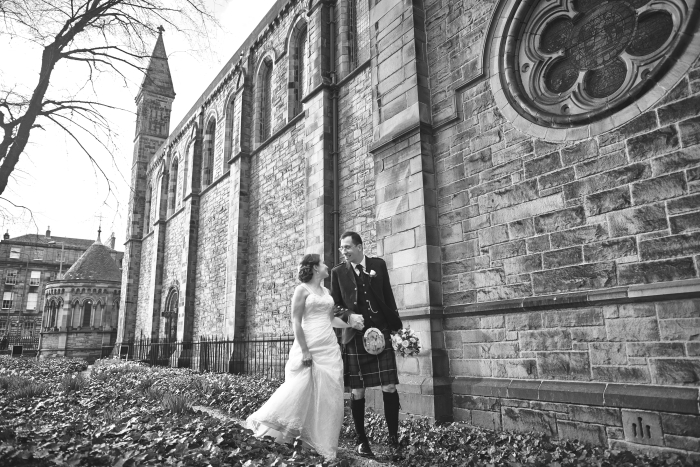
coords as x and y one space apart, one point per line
309 404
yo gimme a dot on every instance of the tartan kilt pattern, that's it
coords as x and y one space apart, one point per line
364 370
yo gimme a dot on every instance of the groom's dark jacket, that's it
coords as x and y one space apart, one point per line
344 292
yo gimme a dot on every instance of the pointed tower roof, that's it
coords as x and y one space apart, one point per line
96 264
157 79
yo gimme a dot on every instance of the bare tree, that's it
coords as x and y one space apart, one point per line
101 36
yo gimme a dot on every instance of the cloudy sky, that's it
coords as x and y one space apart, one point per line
56 180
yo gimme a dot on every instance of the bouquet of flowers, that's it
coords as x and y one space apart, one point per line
405 342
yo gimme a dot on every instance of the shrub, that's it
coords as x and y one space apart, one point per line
176 403
28 390
74 382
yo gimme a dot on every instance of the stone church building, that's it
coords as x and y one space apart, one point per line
529 170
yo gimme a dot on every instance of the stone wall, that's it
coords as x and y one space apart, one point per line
276 226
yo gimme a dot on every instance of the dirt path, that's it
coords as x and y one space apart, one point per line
345 449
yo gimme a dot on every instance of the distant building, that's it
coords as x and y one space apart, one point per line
27 264
81 309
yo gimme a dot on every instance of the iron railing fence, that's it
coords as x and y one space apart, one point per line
27 342
264 356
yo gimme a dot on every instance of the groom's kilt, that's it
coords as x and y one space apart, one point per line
364 370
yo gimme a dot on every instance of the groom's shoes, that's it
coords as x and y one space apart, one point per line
363 449
395 449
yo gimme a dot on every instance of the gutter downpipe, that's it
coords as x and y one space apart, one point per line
334 137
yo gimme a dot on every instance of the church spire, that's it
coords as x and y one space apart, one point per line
157 79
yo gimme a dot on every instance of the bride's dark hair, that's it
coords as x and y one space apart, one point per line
306 267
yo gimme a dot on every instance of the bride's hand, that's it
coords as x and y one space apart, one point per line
306 358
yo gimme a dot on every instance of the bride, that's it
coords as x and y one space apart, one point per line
309 404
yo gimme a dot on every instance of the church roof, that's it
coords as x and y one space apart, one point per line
96 264
157 79
40 239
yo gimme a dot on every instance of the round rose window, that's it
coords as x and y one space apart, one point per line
571 63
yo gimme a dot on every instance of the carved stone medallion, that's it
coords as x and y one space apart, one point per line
571 63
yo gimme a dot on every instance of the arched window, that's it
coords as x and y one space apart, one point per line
172 189
230 134
352 34
265 100
87 313
171 308
301 54
208 160
147 222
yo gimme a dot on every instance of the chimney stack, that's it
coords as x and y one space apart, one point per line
6 236
48 232
112 241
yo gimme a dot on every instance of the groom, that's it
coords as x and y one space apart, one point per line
363 298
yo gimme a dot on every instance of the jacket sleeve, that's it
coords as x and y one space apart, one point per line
388 293
339 310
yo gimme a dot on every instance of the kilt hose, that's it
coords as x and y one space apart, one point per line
364 370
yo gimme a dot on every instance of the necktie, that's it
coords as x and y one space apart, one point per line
359 269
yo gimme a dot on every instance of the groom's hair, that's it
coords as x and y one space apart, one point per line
356 239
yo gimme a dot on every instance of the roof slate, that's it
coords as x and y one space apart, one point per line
96 264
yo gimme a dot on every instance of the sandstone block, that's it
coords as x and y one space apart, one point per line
458 298
525 420
679 160
588 334
461 323
524 321
659 188
601 164
675 371
470 368
607 201
561 258
509 196
642 427
538 244
459 251
679 110
621 374
572 278
503 292
680 329
668 247
607 180
608 353
632 329
486 335
523 368
560 220
507 250
558 178
637 220
685 223
492 322
576 317
465 265
641 124
477 162
593 434
487 419
653 144
681 425
682 442
637 310
579 152
522 264
602 415
546 339
578 236
684 204
610 249
655 349
564 365
493 235
656 271
690 131
679 309
542 165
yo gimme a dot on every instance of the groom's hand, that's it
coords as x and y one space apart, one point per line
356 321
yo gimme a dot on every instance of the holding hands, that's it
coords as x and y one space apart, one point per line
306 358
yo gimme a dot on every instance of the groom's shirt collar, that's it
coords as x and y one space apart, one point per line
363 263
